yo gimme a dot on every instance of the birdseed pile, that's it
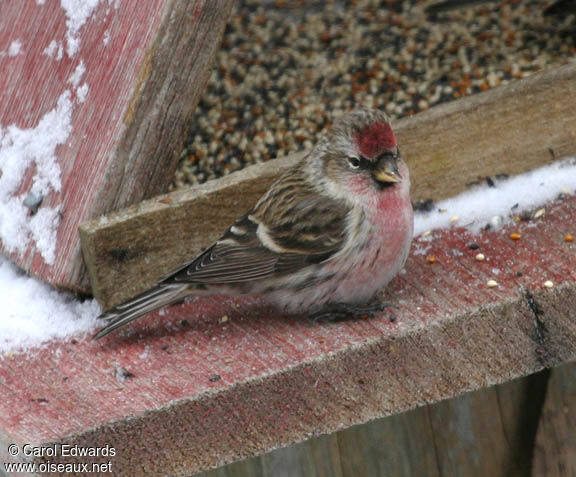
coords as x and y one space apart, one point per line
287 68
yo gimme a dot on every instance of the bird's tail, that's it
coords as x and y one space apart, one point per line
157 297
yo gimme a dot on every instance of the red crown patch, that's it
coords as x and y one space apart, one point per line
375 138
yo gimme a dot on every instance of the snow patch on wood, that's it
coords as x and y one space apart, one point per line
77 75
22 149
82 92
33 313
502 199
77 14
54 50
15 48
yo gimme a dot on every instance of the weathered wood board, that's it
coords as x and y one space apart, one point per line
210 390
555 449
510 129
112 85
486 432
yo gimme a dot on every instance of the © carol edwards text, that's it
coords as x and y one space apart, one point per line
63 450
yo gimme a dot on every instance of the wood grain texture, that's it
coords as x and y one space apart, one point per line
208 391
319 458
485 432
555 449
401 445
248 467
506 130
520 405
146 64
468 436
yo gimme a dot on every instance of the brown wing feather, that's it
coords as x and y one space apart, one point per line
309 228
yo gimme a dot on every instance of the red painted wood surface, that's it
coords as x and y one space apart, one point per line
140 59
112 45
183 370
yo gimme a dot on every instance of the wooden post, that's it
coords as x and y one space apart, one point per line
115 85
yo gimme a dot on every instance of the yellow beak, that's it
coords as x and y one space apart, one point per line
387 171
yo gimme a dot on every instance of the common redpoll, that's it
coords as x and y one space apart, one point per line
324 239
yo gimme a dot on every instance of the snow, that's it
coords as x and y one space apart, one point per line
82 92
499 204
54 50
33 313
20 150
77 75
34 148
15 48
77 13
51 49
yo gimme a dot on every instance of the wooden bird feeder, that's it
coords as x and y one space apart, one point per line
216 380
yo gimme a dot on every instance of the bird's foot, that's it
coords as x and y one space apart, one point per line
345 311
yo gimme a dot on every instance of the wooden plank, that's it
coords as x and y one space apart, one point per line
207 391
401 445
520 404
127 77
555 449
245 468
486 432
319 458
468 436
506 130
326 455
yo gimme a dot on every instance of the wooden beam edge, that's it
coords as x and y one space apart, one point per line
262 414
179 198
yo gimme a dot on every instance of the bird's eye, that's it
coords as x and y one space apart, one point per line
354 162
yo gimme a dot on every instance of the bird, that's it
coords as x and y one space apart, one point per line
325 237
